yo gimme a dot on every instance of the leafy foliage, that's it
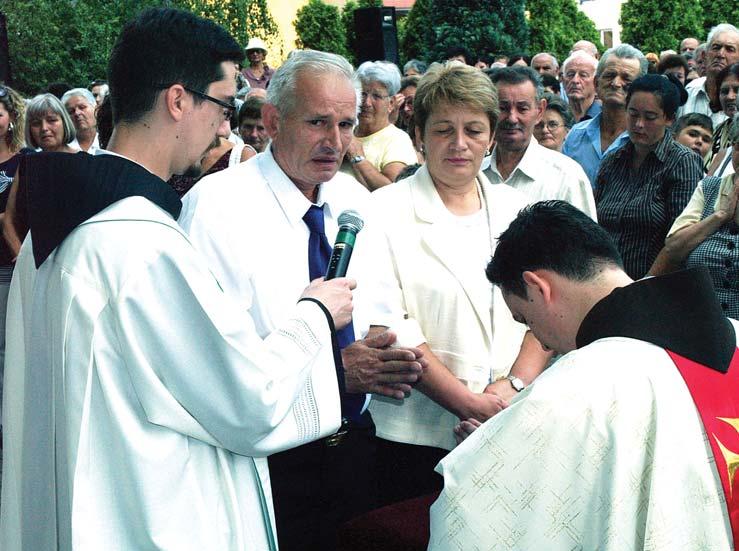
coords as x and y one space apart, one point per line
655 25
417 31
319 26
70 40
718 11
556 25
479 25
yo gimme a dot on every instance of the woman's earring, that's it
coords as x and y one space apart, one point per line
10 128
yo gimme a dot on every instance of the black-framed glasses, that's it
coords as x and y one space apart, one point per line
228 108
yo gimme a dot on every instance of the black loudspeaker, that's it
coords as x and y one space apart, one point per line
4 52
377 35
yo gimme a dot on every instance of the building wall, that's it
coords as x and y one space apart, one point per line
605 15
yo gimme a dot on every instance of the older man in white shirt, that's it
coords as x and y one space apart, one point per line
254 223
518 160
81 106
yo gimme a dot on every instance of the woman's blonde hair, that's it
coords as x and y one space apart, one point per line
16 107
456 84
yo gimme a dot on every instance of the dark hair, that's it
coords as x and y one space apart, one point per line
104 117
692 119
725 72
407 172
551 235
518 75
550 81
162 47
251 109
555 103
518 57
672 61
454 51
57 89
666 90
412 80
96 82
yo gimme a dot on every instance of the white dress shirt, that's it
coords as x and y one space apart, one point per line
544 174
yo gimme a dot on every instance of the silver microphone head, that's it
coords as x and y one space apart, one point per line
351 218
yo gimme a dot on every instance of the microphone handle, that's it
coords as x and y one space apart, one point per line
342 253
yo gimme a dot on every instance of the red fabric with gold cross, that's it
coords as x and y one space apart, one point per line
716 396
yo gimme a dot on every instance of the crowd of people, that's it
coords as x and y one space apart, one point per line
178 374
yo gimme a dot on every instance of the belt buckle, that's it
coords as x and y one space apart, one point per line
336 438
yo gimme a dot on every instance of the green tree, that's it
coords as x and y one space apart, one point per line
719 11
417 31
655 25
478 25
319 26
556 25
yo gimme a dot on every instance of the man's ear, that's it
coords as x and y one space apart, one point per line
270 119
174 99
538 284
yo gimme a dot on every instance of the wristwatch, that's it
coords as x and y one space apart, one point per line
516 383
356 159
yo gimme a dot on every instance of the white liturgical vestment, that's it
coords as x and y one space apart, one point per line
140 409
574 463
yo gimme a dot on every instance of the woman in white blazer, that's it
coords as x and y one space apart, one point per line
440 227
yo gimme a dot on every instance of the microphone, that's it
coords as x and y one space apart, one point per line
350 224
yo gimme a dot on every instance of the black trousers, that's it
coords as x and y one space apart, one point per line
319 486
405 471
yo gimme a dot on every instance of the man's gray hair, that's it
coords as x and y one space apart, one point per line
734 131
83 92
37 109
384 72
624 51
415 64
550 56
518 75
579 55
283 85
718 29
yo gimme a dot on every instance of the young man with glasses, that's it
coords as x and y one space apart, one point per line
150 399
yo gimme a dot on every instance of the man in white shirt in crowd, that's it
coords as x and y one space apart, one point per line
722 49
254 222
517 158
140 403
81 105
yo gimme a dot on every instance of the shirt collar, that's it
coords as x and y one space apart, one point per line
529 164
678 311
292 201
664 144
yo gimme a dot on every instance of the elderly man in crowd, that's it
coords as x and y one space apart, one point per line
379 150
81 105
292 191
517 158
589 141
688 45
545 63
578 75
149 397
585 46
722 49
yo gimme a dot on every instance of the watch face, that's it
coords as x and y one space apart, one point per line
516 383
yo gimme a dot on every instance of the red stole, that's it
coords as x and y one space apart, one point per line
716 396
